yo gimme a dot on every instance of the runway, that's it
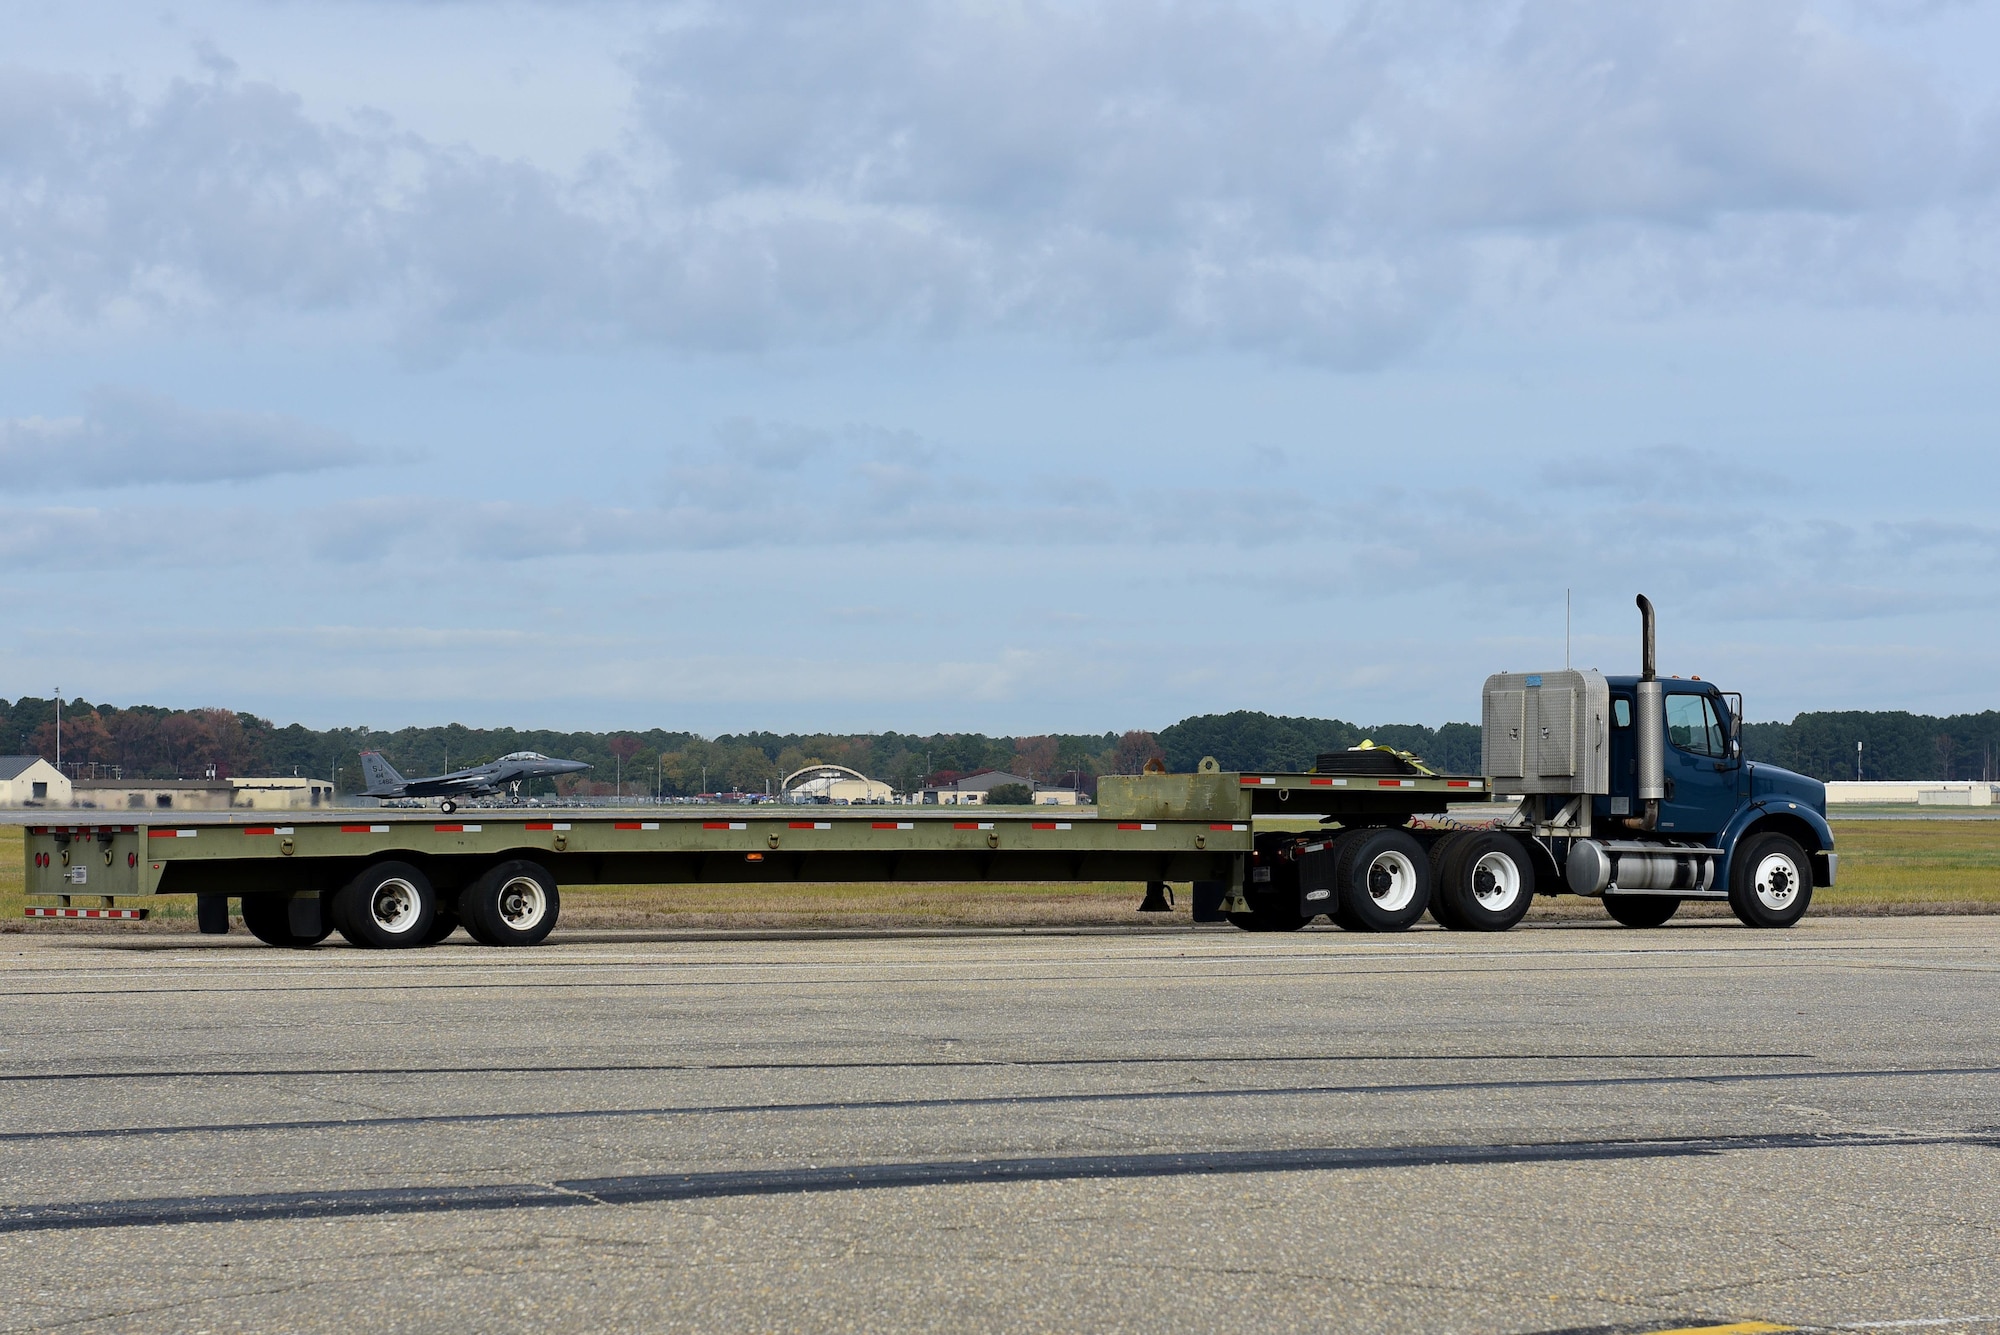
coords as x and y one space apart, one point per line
1570 1127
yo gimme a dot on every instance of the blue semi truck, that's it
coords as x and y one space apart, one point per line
1630 790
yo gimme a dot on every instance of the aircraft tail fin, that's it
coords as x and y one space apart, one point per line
383 781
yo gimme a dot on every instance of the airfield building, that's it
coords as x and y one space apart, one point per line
30 781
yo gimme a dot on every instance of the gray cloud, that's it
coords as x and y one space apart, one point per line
1333 187
127 438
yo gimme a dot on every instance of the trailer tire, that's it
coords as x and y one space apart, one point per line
1641 910
269 919
1488 885
513 904
1384 881
444 920
1442 852
1266 921
1770 881
389 906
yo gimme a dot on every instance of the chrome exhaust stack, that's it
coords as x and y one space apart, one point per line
1651 725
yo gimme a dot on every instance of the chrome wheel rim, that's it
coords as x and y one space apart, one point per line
523 903
1392 881
1777 882
1496 882
394 906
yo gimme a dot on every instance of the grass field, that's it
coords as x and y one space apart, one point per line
1899 866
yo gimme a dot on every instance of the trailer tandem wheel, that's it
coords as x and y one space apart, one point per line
269 918
513 904
391 905
444 920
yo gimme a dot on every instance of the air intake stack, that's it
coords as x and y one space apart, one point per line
1651 726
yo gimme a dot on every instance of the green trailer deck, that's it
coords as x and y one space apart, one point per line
1146 829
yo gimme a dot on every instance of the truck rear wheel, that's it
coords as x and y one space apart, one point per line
388 906
1488 884
1384 881
513 904
269 918
1442 851
1641 910
1770 881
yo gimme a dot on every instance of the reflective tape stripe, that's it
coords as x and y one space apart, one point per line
1224 825
170 834
454 829
723 825
83 913
364 829
895 825
268 829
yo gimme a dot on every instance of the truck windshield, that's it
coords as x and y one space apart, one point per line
1692 725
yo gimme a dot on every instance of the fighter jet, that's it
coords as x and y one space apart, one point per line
508 772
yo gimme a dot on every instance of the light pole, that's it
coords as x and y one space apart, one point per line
58 729
1857 762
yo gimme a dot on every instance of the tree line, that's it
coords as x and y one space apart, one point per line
143 741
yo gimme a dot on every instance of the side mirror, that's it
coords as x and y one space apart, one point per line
1735 749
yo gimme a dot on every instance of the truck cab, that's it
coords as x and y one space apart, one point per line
1713 795
1638 789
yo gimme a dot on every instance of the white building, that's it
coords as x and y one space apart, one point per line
1917 792
836 784
973 790
281 793
30 781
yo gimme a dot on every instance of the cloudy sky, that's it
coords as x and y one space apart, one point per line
999 365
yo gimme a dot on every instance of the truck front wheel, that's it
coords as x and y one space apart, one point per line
514 904
1770 881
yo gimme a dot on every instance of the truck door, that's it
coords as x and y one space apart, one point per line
1701 776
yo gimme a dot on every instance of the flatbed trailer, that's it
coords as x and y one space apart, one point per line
292 873
1630 790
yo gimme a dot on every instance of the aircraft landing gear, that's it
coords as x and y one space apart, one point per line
447 806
